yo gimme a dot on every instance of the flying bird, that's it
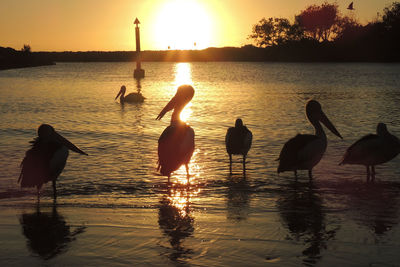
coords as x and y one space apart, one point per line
238 142
130 98
304 151
176 143
373 149
350 7
46 159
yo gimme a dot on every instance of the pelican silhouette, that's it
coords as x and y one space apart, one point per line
350 7
176 143
304 151
238 142
130 98
46 159
373 149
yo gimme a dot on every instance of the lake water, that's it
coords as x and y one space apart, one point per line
114 209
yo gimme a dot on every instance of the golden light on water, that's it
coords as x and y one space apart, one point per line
183 74
180 198
183 24
194 170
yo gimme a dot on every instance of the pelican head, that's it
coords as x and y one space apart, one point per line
238 123
183 96
315 114
121 92
47 133
381 129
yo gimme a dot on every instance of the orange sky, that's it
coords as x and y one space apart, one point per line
105 25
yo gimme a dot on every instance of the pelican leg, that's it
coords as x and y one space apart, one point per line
368 173
295 174
230 163
169 175
54 189
38 193
187 172
373 173
244 163
187 169
310 173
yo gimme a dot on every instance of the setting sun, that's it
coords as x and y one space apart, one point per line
183 24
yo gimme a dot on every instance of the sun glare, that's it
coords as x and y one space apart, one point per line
183 24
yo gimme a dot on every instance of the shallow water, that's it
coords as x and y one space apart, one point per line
113 208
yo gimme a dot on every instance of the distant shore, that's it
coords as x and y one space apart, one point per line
11 59
291 52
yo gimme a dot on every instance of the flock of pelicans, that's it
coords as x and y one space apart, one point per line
47 157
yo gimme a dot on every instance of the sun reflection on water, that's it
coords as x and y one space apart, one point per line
180 198
194 170
183 74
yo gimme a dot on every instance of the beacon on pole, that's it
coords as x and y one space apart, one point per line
139 72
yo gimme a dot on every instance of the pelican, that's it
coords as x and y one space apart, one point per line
46 159
130 98
304 151
238 142
176 143
373 149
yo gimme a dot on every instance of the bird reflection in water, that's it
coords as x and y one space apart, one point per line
47 233
302 212
175 220
375 206
238 198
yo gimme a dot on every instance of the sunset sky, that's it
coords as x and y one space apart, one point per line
105 25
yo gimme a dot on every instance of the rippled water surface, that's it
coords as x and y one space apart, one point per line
114 209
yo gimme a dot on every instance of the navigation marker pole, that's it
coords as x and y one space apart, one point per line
139 72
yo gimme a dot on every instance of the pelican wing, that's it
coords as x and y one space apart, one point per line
175 147
289 157
35 165
134 97
247 140
238 140
361 151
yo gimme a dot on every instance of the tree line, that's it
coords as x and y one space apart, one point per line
324 27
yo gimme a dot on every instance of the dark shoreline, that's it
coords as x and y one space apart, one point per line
12 59
291 52
287 53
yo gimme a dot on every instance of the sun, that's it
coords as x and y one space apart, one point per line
182 24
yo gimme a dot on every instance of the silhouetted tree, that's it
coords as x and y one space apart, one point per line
391 22
349 29
275 31
26 48
320 22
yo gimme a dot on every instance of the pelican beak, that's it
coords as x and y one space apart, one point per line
329 125
59 138
120 92
171 105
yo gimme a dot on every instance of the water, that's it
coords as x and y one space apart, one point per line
114 209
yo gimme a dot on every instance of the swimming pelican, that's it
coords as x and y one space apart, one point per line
176 143
373 149
130 98
46 159
304 151
238 142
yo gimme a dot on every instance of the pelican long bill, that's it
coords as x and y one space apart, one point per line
171 105
120 92
59 138
329 125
